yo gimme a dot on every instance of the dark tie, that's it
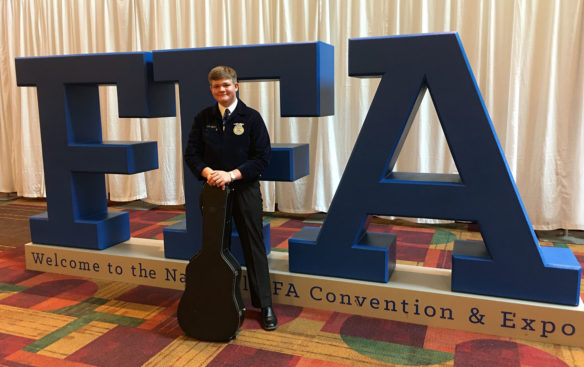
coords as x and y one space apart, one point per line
225 117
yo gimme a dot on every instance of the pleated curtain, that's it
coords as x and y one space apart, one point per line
527 57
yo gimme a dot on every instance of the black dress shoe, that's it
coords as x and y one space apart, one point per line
269 319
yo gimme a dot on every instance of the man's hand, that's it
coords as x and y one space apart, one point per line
219 179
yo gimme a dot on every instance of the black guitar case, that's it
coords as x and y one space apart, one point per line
211 307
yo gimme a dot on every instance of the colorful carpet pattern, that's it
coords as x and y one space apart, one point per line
56 320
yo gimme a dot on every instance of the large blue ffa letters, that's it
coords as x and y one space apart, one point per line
509 263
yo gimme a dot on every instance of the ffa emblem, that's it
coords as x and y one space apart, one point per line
238 128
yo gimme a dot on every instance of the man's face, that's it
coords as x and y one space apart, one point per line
224 91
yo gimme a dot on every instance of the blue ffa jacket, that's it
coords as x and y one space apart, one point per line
244 144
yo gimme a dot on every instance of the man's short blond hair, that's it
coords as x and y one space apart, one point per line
222 72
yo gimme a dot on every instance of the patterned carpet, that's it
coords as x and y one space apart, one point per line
56 320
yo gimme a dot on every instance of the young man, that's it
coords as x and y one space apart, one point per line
229 144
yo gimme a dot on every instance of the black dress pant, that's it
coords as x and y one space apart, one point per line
247 209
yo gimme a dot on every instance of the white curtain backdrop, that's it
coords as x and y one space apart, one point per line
527 56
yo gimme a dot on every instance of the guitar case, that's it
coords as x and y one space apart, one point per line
211 307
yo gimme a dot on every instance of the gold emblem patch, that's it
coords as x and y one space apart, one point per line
238 128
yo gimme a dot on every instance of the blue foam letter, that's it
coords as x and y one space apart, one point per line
510 263
306 75
74 155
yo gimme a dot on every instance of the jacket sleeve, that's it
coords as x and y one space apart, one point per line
193 155
260 150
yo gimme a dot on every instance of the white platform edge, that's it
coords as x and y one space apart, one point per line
414 294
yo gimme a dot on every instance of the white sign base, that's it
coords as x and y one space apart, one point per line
414 294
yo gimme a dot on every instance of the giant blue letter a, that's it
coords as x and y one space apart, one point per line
510 263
